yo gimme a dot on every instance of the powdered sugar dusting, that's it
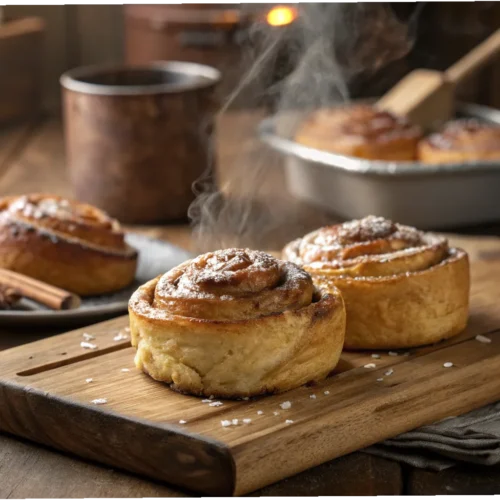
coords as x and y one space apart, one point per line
88 345
373 238
215 403
483 339
229 273
260 284
367 229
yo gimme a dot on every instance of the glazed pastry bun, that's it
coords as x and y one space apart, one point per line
236 323
64 243
361 131
402 287
461 141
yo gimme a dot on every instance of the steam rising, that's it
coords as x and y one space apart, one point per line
326 47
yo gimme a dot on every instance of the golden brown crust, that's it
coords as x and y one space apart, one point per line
461 141
402 287
236 323
360 131
67 244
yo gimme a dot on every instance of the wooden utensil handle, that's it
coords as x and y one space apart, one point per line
476 58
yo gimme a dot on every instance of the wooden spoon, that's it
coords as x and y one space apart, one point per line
427 97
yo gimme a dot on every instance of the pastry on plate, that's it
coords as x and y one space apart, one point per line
361 131
67 244
236 323
402 287
461 141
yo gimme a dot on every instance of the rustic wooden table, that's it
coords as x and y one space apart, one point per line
32 160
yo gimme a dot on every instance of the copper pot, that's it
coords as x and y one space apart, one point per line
138 137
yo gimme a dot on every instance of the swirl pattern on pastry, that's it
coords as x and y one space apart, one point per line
235 323
65 243
402 287
462 141
361 131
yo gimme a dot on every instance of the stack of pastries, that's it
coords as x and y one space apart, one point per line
364 132
236 323
67 244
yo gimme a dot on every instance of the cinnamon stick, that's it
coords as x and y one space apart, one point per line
9 297
43 293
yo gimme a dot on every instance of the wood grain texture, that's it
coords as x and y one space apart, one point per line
356 474
12 141
20 69
40 166
76 35
42 387
38 472
53 55
464 479
97 36
31 471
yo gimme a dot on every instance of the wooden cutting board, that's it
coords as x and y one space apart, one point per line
44 397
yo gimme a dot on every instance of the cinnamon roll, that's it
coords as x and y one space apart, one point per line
462 141
402 287
64 243
236 323
361 131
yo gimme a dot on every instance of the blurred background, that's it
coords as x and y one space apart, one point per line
258 48
58 38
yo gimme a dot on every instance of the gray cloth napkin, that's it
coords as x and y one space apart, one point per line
473 437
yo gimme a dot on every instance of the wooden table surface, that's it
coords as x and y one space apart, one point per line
32 160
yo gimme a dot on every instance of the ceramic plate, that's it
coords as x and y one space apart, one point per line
155 257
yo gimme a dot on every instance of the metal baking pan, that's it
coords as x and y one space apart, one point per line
425 196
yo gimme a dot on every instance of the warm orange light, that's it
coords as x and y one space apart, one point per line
281 16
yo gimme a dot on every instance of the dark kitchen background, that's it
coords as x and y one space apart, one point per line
51 39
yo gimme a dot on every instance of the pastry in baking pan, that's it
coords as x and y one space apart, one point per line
402 287
64 243
236 323
361 131
461 141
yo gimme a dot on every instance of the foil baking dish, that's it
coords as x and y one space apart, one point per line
425 196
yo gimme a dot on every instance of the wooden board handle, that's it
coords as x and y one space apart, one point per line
476 58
